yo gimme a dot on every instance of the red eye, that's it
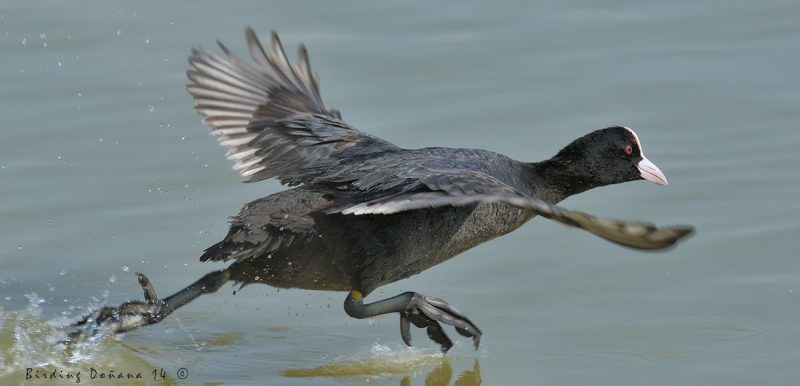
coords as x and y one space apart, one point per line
628 150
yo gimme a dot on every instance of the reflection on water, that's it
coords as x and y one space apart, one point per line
384 362
442 375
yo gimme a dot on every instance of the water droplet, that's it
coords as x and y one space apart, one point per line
146 41
184 138
62 273
165 59
257 278
125 268
151 108
8 298
44 44
289 263
269 256
24 42
112 278
60 63
171 22
34 299
119 32
100 140
2 166
19 246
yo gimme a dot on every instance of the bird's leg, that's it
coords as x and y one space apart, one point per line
423 311
136 313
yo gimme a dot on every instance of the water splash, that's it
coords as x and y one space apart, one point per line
197 346
379 361
30 341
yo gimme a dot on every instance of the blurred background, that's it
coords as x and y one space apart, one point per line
105 170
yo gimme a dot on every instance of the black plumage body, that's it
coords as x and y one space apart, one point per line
330 251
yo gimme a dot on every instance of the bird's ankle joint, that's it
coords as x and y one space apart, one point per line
354 305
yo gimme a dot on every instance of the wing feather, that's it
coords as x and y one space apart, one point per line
271 117
461 187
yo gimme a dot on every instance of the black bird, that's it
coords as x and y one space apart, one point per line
364 212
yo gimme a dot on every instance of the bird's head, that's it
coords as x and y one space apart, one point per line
610 156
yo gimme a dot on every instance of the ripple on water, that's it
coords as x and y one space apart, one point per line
579 359
720 327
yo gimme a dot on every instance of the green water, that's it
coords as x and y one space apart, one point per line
105 170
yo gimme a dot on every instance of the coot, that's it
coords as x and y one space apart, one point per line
363 212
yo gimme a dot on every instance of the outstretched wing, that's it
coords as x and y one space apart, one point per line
458 187
271 117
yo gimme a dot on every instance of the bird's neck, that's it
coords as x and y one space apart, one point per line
556 178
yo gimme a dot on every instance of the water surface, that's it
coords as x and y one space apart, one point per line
105 170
